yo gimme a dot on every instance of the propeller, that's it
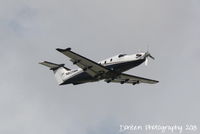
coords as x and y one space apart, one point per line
147 54
146 62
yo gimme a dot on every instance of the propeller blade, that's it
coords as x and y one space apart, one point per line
151 57
146 62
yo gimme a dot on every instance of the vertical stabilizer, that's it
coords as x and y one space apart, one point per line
58 69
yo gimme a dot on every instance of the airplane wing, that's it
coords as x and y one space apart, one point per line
92 68
131 79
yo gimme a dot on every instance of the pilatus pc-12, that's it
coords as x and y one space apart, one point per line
109 70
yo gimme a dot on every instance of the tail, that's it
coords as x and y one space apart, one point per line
59 70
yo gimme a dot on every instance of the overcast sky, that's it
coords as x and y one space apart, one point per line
31 102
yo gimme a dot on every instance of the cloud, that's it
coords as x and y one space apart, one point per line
31 100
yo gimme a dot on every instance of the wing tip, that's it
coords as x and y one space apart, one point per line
156 81
62 50
41 62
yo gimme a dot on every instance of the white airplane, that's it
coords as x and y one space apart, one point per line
109 70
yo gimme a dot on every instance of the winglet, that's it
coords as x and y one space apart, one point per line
62 50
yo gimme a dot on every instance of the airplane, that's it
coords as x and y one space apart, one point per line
109 70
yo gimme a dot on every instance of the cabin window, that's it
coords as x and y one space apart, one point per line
121 55
110 59
104 62
138 55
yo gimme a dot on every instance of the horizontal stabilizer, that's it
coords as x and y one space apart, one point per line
53 66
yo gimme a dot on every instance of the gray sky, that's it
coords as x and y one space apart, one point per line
31 101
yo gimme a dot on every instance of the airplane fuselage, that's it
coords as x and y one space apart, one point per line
119 63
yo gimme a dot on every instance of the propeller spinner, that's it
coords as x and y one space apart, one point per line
147 54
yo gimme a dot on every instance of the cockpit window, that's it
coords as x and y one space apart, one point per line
121 55
138 55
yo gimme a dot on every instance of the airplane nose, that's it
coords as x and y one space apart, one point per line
146 55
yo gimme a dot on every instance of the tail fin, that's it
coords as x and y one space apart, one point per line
59 70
